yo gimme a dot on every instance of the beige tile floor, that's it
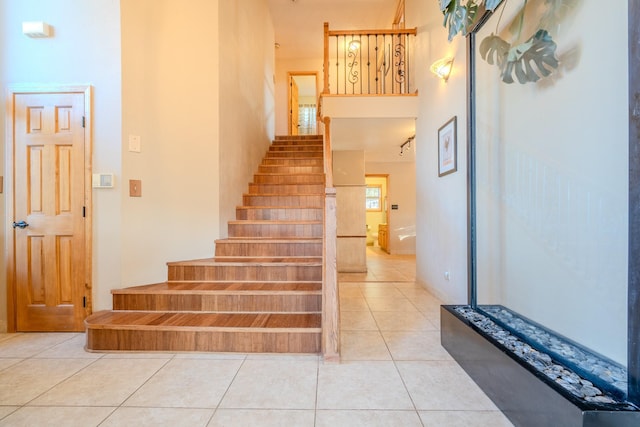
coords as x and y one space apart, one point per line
393 373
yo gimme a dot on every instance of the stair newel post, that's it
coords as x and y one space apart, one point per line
330 296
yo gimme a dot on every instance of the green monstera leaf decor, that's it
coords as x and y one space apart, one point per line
529 61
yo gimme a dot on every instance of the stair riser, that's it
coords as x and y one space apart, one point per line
300 302
286 188
294 154
292 162
276 230
290 169
230 248
289 179
296 148
293 144
205 273
275 214
298 139
312 201
243 342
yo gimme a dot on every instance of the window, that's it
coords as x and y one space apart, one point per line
373 197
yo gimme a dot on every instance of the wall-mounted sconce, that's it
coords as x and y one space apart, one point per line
406 145
36 29
442 68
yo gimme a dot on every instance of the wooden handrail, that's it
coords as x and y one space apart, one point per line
398 32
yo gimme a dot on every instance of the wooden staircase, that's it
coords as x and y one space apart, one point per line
261 292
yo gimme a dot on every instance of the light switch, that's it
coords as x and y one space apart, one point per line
135 188
134 143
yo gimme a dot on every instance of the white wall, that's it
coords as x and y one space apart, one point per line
402 192
441 229
247 93
556 184
586 115
170 99
85 49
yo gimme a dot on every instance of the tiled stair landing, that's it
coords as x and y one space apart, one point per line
262 292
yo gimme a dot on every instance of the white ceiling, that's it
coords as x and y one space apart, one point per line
298 26
379 138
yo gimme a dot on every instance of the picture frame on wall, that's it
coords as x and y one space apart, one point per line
448 147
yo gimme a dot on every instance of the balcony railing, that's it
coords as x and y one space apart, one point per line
368 62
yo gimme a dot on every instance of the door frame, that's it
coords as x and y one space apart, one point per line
291 75
386 201
12 91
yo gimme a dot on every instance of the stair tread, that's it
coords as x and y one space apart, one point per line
253 261
316 174
283 195
275 221
283 239
300 240
150 320
239 288
277 207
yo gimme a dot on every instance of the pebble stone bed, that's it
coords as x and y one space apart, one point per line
578 386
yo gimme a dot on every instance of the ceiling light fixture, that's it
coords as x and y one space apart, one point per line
442 68
354 45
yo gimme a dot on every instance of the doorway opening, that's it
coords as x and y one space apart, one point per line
303 103
377 215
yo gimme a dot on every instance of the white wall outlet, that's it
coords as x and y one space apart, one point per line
134 143
447 276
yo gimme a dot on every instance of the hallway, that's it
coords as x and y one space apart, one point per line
394 373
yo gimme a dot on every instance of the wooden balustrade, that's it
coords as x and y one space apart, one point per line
367 62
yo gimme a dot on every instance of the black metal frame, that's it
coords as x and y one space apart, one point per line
633 340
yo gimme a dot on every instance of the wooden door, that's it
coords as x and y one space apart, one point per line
293 107
49 208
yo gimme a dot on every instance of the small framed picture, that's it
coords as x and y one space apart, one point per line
448 148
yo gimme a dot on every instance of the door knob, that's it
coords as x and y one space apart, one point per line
21 224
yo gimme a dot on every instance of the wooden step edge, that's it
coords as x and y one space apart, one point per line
271 259
268 239
276 240
278 207
166 328
275 222
211 262
316 174
96 322
246 281
283 195
217 292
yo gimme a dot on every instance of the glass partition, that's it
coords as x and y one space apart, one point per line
551 177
